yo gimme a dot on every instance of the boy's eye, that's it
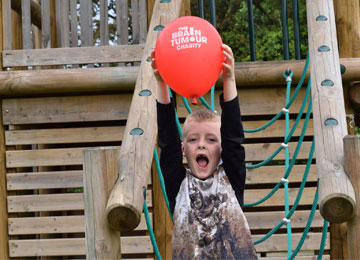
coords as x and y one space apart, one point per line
192 139
212 140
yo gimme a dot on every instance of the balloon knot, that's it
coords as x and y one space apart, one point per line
194 102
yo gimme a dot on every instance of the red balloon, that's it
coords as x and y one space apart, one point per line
189 56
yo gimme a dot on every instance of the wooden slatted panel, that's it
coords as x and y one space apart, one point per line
26 25
45 26
73 246
122 22
142 21
253 102
277 242
80 55
52 202
55 225
73 156
65 109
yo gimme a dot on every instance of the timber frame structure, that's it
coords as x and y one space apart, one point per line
73 161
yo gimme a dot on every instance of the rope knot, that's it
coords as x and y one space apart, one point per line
286 221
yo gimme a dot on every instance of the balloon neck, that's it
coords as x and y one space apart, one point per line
194 102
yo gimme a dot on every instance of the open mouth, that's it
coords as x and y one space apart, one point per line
202 161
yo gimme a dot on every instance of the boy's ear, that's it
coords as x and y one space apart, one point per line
182 148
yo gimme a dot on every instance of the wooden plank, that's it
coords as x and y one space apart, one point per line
65 109
74 23
62 23
142 21
26 24
277 129
100 173
46 225
335 188
44 180
277 199
80 55
47 247
73 156
273 174
52 202
278 242
45 27
73 246
298 257
104 23
249 102
86 34
135 21
35 11
268 220
48 202
122 33
55 225
65 135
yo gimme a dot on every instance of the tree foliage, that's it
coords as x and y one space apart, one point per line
232 24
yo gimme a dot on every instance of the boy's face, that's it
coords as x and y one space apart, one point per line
202 147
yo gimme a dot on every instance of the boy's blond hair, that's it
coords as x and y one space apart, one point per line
203 114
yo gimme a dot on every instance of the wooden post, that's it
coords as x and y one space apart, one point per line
100 173
352 168
135 159
336 193
4 249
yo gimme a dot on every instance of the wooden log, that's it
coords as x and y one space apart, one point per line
336 193
100 173
354 94
124 78
35 11
135 159
352 168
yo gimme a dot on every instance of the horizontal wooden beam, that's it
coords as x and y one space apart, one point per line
124 78
79 55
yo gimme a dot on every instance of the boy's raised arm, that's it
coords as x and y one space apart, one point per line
230 91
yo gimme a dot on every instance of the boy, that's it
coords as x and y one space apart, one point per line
206 199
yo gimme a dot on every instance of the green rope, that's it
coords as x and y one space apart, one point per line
323 240
286 184
161 180
149 227
307 228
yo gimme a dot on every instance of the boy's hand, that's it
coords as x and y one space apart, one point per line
162 92
230 91
153 65
228 64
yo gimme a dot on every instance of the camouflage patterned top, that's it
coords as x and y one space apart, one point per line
209 222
